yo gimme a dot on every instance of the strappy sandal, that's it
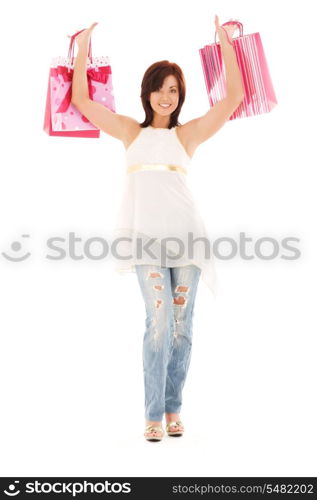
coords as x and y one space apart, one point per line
157 429
176 432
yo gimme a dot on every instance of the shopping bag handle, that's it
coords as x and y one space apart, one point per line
240 26
72 46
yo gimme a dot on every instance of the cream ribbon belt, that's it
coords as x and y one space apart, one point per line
156 166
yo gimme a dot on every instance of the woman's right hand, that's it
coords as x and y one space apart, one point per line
225 32
84 36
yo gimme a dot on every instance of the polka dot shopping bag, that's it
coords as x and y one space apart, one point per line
62 118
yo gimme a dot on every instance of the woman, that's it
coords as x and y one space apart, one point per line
157 203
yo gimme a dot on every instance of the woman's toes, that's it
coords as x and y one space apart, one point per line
176 427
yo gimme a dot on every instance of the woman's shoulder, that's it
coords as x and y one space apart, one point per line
184 138
132 130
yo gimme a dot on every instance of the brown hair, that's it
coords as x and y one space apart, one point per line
153 80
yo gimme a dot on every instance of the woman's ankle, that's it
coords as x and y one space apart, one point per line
171 415
153 422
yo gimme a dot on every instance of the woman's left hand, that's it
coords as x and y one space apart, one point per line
84 36
229 28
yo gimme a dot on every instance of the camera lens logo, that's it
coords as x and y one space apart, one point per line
12 487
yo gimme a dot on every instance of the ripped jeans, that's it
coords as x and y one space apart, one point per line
169 295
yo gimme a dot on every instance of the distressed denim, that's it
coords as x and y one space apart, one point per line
169 296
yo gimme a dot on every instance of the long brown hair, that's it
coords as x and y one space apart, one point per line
153 80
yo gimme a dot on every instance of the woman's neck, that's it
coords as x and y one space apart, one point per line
160 123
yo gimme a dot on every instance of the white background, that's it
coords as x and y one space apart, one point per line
72 331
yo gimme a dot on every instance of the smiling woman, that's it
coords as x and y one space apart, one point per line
161 236
166 98
163 84
159 232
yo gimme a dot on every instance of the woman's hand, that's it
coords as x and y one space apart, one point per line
225 32
84 36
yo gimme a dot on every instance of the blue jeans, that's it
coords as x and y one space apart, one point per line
169 295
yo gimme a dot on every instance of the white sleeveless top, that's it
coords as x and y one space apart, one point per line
157 218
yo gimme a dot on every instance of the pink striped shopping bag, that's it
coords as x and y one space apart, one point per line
258 89
61 117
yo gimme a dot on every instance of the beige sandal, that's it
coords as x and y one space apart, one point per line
155 433
176 432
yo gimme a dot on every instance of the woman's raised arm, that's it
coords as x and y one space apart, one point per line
114 124
200 129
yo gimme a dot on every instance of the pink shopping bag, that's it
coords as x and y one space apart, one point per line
258 88
61 117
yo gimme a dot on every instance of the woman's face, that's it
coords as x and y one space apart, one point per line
168 94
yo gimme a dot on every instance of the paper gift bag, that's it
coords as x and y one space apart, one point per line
62 118
258 88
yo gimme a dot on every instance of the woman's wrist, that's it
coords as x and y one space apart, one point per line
225 38
83 46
